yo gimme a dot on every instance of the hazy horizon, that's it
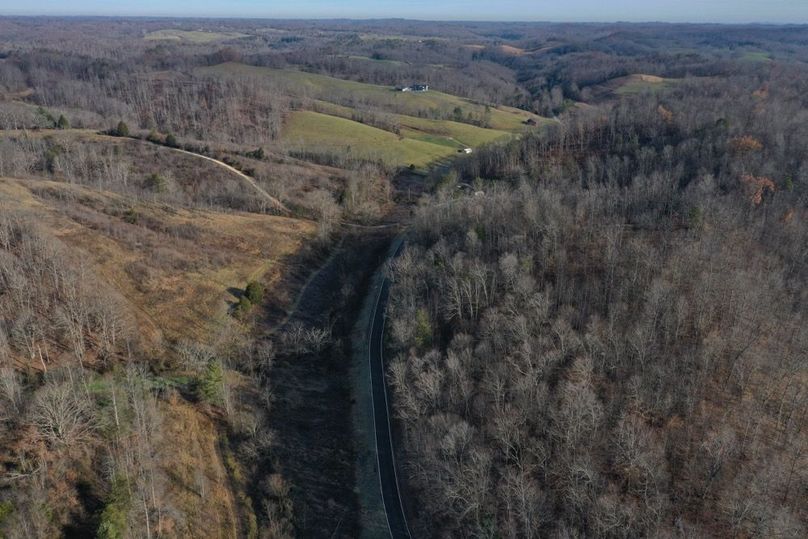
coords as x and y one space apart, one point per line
682 11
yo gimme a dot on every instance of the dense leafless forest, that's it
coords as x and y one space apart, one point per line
609 340
596 328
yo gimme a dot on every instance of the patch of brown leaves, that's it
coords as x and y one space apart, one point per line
756 186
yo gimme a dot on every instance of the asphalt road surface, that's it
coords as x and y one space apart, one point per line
393 507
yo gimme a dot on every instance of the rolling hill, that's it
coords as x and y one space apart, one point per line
377 122
175 267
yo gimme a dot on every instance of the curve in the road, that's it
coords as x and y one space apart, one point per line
274 202
385 455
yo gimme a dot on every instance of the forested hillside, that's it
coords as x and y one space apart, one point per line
597 326
609 339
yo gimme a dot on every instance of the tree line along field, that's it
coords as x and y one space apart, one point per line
596 328
381 97
421 127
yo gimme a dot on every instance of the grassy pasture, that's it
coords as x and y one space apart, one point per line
409 134
191 36
314 131
445 132
341 91
462 134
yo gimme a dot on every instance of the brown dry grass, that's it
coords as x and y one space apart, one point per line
199 486
648 78
12 96
510 50
174 266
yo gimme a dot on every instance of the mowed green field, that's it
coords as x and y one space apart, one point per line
416 140
323 133
445 132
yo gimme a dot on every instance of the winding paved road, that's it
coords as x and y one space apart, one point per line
385 456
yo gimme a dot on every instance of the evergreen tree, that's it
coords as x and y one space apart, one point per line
171 141
254 292
212 383
122 130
